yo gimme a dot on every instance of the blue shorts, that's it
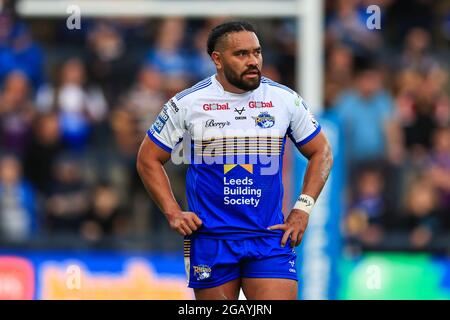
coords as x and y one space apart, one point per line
212 262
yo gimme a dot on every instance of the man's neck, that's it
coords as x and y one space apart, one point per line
228 86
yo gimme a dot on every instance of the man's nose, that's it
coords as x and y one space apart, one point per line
252 61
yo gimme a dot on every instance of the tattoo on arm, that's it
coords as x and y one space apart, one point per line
326 164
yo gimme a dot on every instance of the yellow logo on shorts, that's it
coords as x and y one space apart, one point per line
202 272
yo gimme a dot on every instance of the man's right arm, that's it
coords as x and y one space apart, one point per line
150 166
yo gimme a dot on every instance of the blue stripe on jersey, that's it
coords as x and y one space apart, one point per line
159 143
179 97
194 86
289 133
308 138
201 85
276 84
191 88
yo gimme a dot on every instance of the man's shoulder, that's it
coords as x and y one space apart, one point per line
276 87
281 93
193 92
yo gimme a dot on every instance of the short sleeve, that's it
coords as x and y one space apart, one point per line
303 127
168 128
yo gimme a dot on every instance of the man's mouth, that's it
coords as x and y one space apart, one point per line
252 74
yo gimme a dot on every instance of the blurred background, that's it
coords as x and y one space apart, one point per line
76 222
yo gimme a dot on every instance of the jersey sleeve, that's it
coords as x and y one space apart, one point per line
168 128
303 127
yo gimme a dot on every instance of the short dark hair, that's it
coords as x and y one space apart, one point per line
222 29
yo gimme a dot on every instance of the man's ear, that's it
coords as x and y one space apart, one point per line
217 59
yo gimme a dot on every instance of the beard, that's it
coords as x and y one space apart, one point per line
239 81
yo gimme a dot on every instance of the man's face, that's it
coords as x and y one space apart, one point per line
240 60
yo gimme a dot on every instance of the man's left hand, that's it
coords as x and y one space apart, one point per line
294 226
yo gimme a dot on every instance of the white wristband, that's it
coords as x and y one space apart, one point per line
305 203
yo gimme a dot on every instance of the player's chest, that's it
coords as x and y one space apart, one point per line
219 117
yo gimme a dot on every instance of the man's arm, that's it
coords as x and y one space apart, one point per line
320 160
150 161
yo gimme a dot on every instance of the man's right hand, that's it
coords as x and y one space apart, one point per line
184 222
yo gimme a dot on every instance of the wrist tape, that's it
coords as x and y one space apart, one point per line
305 203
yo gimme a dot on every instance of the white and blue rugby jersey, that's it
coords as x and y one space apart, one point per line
235 144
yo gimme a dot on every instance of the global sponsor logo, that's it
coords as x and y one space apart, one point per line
211 123
202 272
260 104
216 106
264 120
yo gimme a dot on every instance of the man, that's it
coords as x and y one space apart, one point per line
235 233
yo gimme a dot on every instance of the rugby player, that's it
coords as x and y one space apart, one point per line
237 121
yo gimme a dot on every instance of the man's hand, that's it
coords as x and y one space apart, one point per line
295 226
184 222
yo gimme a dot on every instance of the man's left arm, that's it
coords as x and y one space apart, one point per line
320 160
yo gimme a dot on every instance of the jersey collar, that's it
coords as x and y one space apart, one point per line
231 94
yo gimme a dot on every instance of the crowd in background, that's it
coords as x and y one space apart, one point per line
75 106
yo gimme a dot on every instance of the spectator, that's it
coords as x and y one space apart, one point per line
16 113
416 54
41 153
169 57
366 218
18 51
348 26
201 65
28 55
138 109
7 60
18 212
406 15
338 73
110 64
79 106
68 202
438 170
423 108
365 112
106 217
421 216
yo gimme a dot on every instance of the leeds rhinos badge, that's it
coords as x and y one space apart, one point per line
264 120
202 272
